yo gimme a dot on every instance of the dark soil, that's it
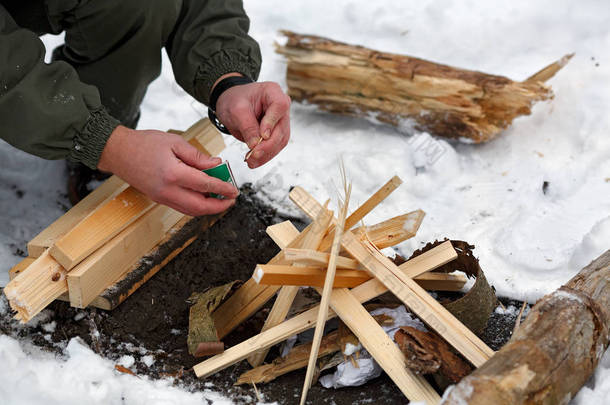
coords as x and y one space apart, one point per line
154 320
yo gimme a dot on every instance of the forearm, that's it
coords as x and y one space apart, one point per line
44 108
210 40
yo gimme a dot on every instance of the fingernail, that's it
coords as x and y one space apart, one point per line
266 133
252 143
258 154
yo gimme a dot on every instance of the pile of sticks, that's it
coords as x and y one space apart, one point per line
346 266
98 244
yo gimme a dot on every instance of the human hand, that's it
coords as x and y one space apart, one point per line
167 169
254 111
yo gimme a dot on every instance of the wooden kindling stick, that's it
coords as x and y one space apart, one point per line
328 287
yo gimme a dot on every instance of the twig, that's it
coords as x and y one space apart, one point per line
328 287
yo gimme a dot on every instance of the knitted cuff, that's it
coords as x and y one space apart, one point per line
221 63
90 142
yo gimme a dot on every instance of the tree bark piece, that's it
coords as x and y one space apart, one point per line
554 351
427 353
203 339
474 308
439 99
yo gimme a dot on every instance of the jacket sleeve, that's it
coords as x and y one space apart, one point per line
45 109
209 40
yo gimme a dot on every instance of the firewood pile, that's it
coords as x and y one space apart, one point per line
343 262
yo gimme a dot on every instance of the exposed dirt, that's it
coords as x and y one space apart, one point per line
154 320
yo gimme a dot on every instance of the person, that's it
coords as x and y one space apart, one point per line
84 105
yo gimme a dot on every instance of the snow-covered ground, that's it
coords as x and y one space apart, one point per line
529 242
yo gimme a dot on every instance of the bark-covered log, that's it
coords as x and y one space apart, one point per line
554 351
439 99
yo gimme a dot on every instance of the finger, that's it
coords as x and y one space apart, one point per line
268 149
192 203
247 126
198 181
276 105
193 157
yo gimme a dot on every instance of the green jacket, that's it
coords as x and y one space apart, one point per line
68 108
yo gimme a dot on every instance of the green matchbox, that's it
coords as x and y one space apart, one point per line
222 172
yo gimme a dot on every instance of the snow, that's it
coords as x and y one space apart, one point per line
528 242
32 377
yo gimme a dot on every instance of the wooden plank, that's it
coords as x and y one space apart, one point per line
47 237
394 230
307 276
282 231
442 253
297 324
99 227
373 201
19 267
374 339
267 274
364 209
329 281
91 277
297 358
441 281
315 233
311 257
35 288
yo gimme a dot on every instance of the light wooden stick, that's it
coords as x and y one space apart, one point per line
328 287
270 274
360 212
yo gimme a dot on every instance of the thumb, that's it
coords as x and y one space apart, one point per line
193 157
277 105
249 129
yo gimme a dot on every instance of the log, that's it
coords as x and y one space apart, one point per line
439 99
554 351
